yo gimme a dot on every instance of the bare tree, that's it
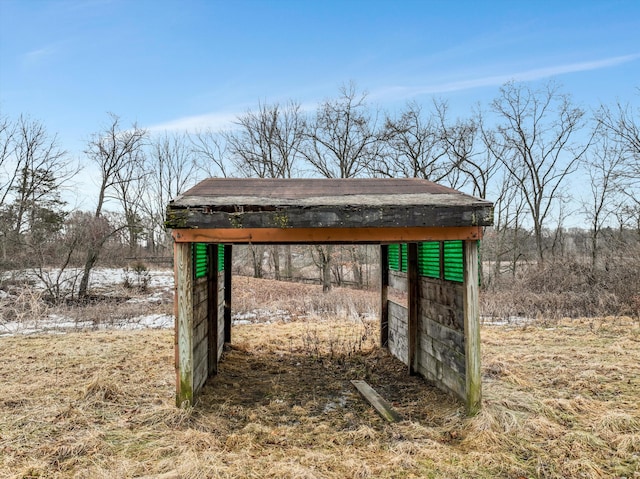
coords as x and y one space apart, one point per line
466 145
114 151
415 146
128 190
266 143
622 125
605 166
171 168
535 143
321 255
36 171
506 239
8 168
342 141
210 150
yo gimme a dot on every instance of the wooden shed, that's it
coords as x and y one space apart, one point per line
415 221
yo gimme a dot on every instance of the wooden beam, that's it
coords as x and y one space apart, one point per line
380 405
228 253
184 323
413 305
325 235
384 295
473 376
212 309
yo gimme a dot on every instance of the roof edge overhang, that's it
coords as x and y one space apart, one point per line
327 216
325 235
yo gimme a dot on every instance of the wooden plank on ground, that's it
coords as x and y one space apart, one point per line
382 406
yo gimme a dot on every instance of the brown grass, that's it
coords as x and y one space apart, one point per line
559 402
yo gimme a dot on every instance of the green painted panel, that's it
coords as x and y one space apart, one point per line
453 261
403 257
200 259
394 257
220 257
429 259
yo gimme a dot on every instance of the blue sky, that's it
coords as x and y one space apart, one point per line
196 63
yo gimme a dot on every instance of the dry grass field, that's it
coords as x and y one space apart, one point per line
561 400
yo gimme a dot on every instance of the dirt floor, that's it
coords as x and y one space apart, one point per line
561 400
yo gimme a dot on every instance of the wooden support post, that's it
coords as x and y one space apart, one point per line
183 298
384 295
413 288
473 376
212 309
227 292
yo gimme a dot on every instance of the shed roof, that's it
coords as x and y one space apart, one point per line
325 203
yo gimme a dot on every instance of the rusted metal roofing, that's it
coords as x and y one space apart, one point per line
318 203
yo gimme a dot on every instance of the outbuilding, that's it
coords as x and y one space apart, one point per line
428 236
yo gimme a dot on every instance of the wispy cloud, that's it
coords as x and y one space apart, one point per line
225 120
35 57
215 121
497 80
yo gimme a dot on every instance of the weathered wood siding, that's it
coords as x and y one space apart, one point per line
398 280
398 331
201 330
183 307
440 349
398 340
472 329
200 334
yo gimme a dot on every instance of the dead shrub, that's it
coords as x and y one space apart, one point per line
565 288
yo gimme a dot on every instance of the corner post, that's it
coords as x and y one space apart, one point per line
212 309
227 292
183 304
473 401
384 296
413 305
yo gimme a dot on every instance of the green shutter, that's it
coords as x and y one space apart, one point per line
403 261
429 259
453 261
220 257
200 259
398 257
394 257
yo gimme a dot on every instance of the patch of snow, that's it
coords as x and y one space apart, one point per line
156 298
151 321
56 324
242 321
256 316
100 277
508 321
